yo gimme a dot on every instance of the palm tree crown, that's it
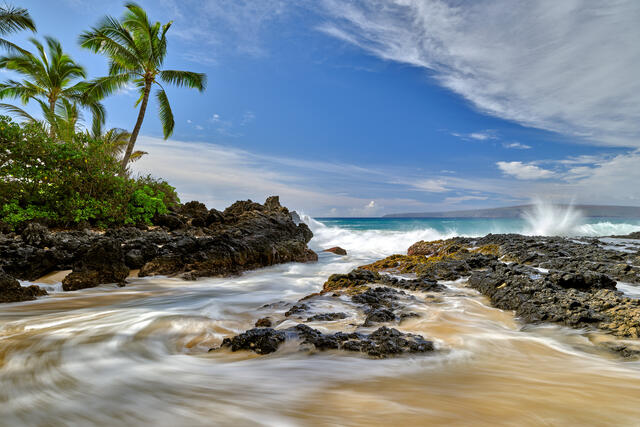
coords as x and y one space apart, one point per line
137 49
13 19
51 76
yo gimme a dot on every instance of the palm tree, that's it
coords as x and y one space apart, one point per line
13 19
136 50
49 77
116 140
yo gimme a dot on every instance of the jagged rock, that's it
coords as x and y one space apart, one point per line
260 340
248 236
297 309
193 209
36 234
170 221
265 322
103 263
12 291
326 317
383 342
587 280
379 315
251 236
124 233
542 299
354 279
214 217
336 250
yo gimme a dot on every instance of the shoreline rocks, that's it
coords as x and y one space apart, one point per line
191 242
336 250
381 343
543 279
12 291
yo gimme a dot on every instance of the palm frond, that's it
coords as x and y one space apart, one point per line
166 115
185 78
137 155
11 47
104 86
18 112
14 19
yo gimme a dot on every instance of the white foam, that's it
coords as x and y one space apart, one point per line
546 219
369 243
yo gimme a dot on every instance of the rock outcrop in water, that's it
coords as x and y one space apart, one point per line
12 291
191 242
102 263
379 300
543 279
381 343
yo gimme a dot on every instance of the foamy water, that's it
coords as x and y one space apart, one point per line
138 355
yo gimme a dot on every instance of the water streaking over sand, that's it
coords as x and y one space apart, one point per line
138 355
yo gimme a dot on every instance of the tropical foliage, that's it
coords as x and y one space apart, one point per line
137 49
53 169
71 183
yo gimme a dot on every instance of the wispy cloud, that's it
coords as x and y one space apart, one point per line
431 185
222 27
569 67
478 136
524 171
516 145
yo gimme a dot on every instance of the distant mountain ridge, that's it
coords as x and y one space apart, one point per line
517 211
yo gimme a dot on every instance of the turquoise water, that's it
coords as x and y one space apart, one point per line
590 226
463 226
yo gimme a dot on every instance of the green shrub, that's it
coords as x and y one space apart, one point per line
144 204
71 182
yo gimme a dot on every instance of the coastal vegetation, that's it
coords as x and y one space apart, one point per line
53 168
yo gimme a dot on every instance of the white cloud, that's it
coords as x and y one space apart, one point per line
430 185
198 127
478 136
516 145
565 66
524 171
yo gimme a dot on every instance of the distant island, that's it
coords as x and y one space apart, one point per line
517 211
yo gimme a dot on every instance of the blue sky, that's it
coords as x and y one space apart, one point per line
361 108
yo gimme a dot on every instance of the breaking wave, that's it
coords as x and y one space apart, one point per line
384 236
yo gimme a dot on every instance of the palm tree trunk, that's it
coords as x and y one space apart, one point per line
52 107
136 129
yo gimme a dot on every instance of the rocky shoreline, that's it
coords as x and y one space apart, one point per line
567 281
189 242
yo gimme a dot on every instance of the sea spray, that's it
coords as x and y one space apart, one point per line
547 219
